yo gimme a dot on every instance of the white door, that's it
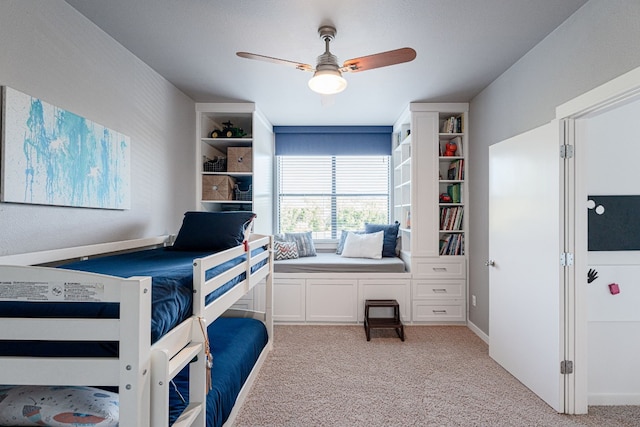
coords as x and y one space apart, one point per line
526 320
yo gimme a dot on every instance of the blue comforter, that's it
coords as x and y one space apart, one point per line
236 344
172 296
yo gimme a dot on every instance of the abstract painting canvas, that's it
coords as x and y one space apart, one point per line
51 156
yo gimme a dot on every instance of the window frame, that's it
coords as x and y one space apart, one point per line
335 233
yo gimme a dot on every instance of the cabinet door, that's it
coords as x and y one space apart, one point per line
332 300
424 197
398 289
288 300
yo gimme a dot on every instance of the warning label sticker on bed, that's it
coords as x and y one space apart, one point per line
51 291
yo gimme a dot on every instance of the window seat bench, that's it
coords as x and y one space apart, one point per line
329 288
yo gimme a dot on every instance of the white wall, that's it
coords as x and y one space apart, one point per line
50 51
597 43
610 138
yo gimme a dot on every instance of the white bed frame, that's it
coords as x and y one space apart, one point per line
142 371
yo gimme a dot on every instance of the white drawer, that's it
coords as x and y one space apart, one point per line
454 268
438 289
426 311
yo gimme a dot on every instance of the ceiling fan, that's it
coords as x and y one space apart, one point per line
327 75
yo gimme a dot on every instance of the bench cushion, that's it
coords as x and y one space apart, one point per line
333 263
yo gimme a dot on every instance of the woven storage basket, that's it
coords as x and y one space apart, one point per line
218 187
239 159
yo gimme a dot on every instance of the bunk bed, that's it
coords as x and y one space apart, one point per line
147 322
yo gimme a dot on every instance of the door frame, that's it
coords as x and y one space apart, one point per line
609 95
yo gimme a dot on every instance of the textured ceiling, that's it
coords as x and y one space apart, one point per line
461 45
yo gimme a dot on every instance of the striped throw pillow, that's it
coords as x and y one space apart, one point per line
285 250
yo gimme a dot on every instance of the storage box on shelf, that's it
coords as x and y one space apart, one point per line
242 195
217 164
239 159
218 187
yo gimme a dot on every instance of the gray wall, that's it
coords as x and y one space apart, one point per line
599 42
50 51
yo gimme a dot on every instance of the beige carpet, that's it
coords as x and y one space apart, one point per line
440 376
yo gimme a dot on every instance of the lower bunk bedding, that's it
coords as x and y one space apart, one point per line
236 345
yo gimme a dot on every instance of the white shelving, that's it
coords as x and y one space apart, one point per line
420 176
451 183
402 187
216 181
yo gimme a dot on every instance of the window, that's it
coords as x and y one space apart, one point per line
327 194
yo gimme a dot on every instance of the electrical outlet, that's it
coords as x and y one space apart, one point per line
473 300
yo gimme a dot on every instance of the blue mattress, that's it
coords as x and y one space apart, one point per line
172 292
236 344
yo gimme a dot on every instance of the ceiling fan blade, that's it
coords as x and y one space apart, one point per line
378 60
297 65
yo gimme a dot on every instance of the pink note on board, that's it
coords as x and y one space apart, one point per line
614 288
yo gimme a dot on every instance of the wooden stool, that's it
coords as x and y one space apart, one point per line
383 322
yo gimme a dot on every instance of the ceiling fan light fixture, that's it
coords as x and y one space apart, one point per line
327 82
327 78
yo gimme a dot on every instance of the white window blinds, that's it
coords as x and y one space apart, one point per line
327 194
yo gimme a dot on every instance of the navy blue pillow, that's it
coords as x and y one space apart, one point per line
390 236
212 231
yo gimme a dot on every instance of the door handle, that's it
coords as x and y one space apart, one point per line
490 263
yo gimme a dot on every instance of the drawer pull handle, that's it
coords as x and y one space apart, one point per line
439 311
440 291
439 269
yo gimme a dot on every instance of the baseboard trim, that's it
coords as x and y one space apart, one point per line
484 337
613 399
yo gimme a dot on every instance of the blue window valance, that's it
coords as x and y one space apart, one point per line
333 140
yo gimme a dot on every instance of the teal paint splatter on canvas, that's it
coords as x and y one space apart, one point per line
55 157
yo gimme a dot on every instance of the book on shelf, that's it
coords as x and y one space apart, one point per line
452 244
451 218
455 171
452 125
455 192
444 216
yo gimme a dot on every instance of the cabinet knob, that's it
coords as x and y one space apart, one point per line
490 263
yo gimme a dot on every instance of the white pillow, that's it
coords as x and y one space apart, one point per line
363 245
57 406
